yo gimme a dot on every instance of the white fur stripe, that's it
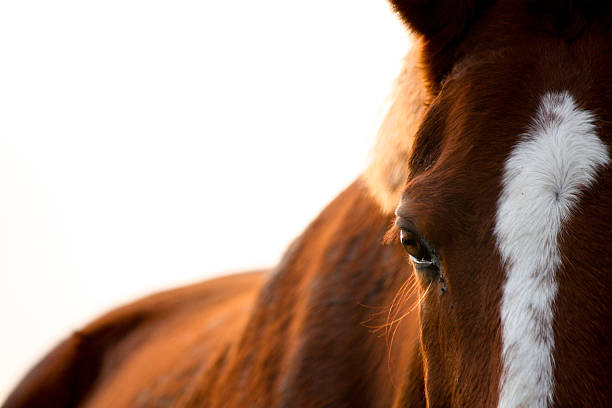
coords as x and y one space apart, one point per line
543 177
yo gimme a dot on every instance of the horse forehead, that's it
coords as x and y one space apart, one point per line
472 129
550 156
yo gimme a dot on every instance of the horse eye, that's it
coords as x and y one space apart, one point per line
419 254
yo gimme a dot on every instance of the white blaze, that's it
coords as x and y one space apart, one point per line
551 165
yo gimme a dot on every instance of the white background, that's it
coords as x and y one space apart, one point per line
148 144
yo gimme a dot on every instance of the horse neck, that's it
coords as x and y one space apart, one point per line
321 330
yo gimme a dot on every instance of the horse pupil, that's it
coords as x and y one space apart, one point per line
407 238
411 244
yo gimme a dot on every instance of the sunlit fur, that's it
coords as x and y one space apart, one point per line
388 168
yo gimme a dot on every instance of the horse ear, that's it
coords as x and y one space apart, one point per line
442 23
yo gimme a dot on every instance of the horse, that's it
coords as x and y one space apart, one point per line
468 266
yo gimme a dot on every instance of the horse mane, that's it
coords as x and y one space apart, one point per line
387 168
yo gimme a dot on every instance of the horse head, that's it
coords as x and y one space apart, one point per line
505 210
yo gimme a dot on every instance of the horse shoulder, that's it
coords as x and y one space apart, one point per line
141 350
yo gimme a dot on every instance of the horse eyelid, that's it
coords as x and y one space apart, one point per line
405 223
